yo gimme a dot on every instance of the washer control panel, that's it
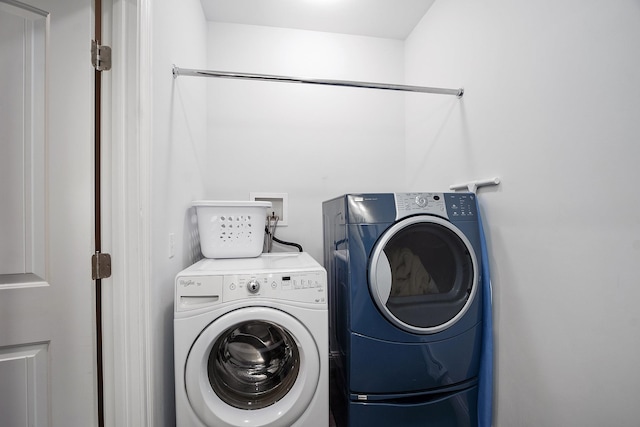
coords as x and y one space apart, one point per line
299 286
201 291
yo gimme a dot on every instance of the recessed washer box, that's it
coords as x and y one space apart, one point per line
279 205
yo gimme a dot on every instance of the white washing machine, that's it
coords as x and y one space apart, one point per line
251 342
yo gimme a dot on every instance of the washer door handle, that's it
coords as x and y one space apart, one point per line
383 278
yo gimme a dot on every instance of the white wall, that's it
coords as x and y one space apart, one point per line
312 142
551 106
177 176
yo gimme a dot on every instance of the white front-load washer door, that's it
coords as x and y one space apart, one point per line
254 367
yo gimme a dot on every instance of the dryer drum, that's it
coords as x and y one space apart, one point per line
253 364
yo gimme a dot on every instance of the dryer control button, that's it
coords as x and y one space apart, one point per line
421 201
253 286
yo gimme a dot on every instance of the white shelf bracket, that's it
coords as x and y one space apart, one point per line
473 186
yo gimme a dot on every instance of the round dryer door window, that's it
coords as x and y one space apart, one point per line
256 366
423 274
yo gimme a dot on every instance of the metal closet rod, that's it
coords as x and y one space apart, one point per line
286 79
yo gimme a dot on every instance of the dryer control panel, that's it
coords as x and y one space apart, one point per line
194 292
420 203
446 205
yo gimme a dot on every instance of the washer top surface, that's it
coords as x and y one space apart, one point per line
268 262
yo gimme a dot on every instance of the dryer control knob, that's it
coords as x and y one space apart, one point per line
253 286
421 201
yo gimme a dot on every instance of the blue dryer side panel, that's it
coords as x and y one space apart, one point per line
343 312
335 252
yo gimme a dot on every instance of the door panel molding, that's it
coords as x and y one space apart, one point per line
24 371
24 31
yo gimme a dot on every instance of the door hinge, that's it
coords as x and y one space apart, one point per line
100 266
100 56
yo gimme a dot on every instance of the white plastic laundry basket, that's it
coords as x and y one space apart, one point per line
231 229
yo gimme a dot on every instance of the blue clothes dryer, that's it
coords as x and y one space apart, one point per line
405 306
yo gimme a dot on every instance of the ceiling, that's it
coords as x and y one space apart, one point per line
392 19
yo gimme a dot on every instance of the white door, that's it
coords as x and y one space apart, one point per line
47 348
